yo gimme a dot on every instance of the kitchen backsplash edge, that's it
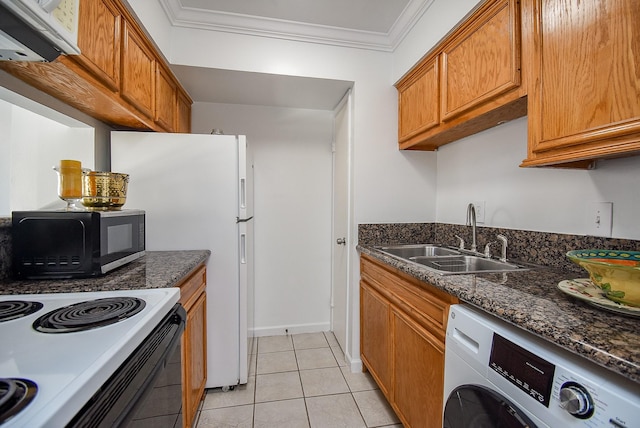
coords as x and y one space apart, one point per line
5 247
548 249
543 248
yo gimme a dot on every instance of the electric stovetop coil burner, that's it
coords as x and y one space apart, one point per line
15 394
89 315
71 369
14 309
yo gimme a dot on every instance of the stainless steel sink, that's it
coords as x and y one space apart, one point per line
426 250
448 261
465 264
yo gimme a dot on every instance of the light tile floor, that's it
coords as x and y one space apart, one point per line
299 380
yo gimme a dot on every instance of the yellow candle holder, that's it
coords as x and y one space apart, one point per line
70 183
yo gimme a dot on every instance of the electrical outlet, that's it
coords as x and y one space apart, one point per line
599 218
480 208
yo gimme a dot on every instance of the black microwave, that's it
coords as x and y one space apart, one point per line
74 244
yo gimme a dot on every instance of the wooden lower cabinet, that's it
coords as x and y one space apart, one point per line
194 344
418 368
402 332
375 338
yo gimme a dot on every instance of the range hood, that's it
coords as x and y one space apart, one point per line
38 30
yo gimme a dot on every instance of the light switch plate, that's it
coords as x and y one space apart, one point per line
599 218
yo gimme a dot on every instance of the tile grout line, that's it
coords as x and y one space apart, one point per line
296 350
304 398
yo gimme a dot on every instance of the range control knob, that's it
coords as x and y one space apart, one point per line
575 399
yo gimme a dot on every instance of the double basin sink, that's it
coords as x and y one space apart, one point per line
447 260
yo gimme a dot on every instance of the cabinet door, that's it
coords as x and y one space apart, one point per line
183 111
419 102
375 335
483 61
166 99
418 366
99 41
194 345
138 71
584 104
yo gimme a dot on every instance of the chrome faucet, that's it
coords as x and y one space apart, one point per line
503 240
471 221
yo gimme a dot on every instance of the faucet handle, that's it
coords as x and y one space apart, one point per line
461 246
487 249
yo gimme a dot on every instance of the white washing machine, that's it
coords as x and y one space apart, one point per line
497 375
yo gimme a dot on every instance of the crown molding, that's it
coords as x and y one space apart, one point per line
181 16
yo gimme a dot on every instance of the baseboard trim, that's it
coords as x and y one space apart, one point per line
291 329
355 364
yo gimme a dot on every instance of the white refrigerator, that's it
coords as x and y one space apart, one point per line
197 191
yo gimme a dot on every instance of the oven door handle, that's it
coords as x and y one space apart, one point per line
134 379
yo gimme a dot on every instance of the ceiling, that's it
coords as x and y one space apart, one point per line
238 87
365 15
365 24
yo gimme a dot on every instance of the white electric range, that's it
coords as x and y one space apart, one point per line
68 367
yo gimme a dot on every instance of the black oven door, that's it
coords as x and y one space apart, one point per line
146 390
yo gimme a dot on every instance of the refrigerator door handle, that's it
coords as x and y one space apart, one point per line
243 248
243 220
243 193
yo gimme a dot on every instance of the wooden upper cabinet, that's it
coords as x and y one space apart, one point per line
119 78
469 82
585 87
419 105
483 61
166 99
99 32
138 71
183 112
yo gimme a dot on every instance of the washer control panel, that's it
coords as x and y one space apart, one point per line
527 371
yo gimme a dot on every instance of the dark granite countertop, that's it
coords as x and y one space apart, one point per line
157 269
531 300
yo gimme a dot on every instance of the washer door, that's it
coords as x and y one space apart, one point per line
475 406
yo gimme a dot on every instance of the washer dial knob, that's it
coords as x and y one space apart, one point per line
576 400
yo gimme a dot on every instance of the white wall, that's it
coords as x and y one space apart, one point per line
484 167
34 144
292 158
5 158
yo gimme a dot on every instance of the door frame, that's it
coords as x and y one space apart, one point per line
345 102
